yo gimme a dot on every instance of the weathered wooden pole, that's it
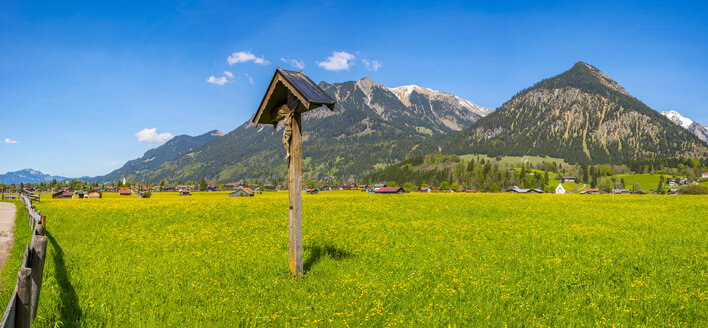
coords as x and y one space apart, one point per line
39 251
295 196
24 297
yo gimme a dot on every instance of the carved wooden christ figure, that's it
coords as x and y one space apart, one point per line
290 94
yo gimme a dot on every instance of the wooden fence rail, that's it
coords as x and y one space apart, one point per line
22 308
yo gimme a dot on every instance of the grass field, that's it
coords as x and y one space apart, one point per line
646 181
376 260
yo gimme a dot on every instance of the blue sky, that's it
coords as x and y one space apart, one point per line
79 80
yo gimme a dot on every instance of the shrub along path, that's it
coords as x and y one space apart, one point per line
7 227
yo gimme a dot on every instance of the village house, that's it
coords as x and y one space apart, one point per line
242 192
186 187
390 190
212 188
379 186
590 191
232 185
518 190
569 179
705 175
620 191
184 192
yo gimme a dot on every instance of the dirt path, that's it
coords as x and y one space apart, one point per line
7 229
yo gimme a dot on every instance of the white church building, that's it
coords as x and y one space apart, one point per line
560 189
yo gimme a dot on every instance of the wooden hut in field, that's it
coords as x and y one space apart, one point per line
242 192
184 193
62 194
94 194
125 192
144 194
313 191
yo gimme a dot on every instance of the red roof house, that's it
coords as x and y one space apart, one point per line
390 190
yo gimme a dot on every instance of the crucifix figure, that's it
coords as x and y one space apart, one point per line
290 94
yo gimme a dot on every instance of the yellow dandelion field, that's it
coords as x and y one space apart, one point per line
374 260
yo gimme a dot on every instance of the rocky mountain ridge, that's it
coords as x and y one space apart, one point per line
370 126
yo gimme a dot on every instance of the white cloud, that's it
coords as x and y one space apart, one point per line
250 79
221 80
244 57
299 64
217 80
340 60
372 65
151 136
10 141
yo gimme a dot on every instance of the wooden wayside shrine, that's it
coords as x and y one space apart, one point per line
290 94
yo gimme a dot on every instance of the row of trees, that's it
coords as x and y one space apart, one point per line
449 172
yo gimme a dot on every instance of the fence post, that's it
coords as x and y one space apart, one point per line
24 297
39 230
39 251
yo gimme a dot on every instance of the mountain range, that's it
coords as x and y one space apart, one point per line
371 126
580 115
28 176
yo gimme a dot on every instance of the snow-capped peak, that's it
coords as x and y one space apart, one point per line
404 91
403 94
677 118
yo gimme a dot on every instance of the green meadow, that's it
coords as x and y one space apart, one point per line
374 260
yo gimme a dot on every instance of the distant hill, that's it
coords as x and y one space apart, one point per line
153 158
701 131
582 116
28 176
371 125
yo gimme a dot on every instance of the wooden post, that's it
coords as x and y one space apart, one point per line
295 197
24 297
39 230
39 252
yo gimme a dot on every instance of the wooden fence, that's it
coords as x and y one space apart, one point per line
9 197
22 308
